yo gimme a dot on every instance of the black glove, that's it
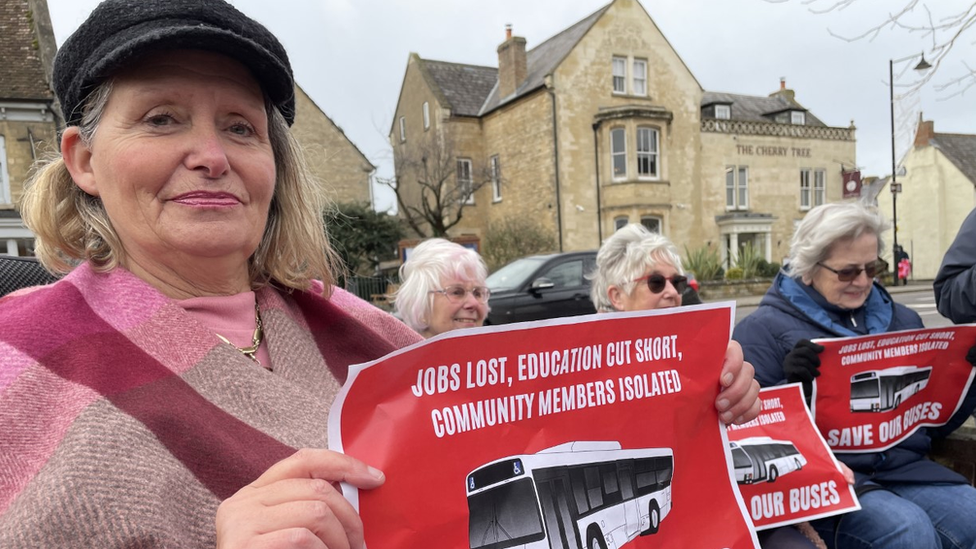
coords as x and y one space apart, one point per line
971 356
803 364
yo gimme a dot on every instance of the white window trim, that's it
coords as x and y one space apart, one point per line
806 190
403 130
426 110
5 194
819 187
633 81
620 222
737 187
614 75
614 154
659 219
726 112
496 179
655 153
469 180
798 118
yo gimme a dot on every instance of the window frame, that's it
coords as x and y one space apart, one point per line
798 118
726 110
614 76
620 222
403 129
496 178
736 188
642 90
614 153
658 220
468 181
806 189
426 113
6 193
819 187
654 154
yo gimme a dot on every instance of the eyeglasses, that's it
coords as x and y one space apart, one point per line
457 294
656 282
848 274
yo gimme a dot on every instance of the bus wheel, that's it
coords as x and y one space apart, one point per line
773 473
653 518
594 538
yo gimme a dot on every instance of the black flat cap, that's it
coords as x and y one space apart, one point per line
119 32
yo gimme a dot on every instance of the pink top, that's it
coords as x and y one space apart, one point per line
231 316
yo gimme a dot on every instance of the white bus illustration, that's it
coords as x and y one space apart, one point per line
577 495
883 390
758 459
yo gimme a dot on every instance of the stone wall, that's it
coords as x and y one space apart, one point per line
730 289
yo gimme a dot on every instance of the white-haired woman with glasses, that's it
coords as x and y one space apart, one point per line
828 290
637 270
443 288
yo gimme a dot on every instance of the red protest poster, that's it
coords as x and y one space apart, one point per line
875 391
784 469
593 432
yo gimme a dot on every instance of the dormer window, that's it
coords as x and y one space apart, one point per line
723 112
798 118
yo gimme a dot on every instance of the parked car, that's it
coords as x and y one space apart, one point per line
541 286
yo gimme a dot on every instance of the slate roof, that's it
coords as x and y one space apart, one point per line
21 71
543 59
960 149
756 108
465 87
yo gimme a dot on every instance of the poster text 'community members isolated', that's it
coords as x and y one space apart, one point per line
596 431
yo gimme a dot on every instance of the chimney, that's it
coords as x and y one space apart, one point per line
925 131
783 91
512 68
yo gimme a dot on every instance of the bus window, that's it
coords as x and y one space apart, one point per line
625 474
611 490
504 517
579 490
594 491
865 389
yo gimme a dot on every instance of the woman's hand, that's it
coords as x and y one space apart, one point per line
297 503
739 400
848 473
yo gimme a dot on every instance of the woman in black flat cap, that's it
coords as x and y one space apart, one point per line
158 394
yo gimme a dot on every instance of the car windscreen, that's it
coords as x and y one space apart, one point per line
514 274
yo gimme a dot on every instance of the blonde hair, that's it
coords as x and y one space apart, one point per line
72 226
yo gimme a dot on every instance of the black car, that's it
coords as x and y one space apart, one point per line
540 287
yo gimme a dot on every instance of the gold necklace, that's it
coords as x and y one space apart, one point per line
251 352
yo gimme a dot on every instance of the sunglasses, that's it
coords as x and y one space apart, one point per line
657 282
457 294
848 274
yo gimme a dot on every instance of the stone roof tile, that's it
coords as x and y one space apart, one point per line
960 149
757 108
464 86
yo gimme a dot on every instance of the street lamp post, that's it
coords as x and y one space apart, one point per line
895 186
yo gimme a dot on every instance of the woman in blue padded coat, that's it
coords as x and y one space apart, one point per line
828 290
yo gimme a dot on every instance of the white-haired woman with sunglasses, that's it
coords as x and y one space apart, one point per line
637 270
443 288
828 290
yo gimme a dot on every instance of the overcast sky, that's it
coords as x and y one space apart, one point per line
350 56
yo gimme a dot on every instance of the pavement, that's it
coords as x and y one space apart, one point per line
913 286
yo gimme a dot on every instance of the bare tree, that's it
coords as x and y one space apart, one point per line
434 183
942 31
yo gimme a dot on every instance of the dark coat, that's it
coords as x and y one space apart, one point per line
788 313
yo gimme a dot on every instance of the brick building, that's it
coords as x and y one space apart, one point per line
603 124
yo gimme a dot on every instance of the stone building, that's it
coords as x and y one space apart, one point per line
604 124
30 118
28 114
938 190
342 170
